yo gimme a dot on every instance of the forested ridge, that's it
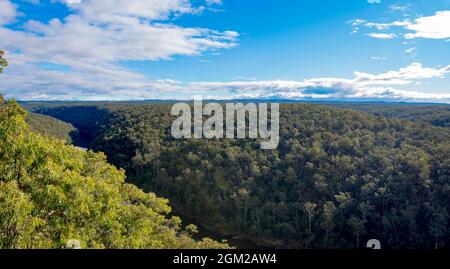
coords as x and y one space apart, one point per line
51 127
338 178
52 193
85 117
435 114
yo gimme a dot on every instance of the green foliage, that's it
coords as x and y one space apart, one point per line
3 62
51 193
437 115
87 119
357 227
48 126
339 177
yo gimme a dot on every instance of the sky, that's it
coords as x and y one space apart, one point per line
352 50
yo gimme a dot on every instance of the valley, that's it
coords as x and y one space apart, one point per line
365 176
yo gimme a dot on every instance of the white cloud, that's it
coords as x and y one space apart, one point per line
374 1
110 11
214 2
382 35
108 82
115 31
8 12
387 26
355 24
84 81
432 27
72 2
405 75
400 8
363 86
378 58
411 50
91 43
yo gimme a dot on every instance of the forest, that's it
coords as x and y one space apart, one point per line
435 114
52 192
342 174
51 127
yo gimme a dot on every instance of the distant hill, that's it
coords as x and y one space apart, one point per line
437 115
49 126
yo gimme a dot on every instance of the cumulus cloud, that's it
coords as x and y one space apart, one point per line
92 42
110 11
108 82
113 31
434 27
431 27
364 86
84 81
405 75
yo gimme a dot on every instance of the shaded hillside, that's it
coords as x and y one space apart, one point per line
87 118
49 126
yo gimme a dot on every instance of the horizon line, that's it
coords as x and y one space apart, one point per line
281 100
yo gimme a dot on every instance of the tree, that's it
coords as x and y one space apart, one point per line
310 210
357 227
18 223
329 210
438 225
344 199
3 62
242 198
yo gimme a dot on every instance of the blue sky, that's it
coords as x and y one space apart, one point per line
309 49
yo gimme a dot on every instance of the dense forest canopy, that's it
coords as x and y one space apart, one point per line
49 126
51 193
85 117
338 178
435 114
